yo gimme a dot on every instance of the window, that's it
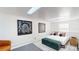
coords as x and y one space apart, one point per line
64 27
41 27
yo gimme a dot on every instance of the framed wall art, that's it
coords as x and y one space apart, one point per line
24 27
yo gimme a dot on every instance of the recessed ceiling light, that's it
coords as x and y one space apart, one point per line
32 10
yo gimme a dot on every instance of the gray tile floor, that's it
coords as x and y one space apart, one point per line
29 47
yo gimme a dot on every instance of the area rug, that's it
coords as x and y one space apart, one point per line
29 47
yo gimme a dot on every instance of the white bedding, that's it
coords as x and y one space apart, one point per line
63 40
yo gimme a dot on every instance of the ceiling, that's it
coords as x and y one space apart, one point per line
14 10
45 13
57 14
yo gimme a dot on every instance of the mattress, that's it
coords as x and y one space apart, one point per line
63 40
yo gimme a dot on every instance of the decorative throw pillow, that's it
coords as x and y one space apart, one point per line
55 33
62 34
51 34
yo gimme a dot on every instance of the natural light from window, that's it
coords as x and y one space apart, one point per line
64 27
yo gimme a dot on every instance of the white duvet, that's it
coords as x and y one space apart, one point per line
63 40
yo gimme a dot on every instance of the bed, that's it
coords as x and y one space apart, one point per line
55 41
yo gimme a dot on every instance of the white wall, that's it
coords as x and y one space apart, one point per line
8 29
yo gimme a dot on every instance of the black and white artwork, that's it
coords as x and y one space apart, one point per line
24 27
41 27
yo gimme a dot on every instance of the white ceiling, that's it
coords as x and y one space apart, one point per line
14 10
45 13
18 11
56 14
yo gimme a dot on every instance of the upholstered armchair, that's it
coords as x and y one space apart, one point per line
5 45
